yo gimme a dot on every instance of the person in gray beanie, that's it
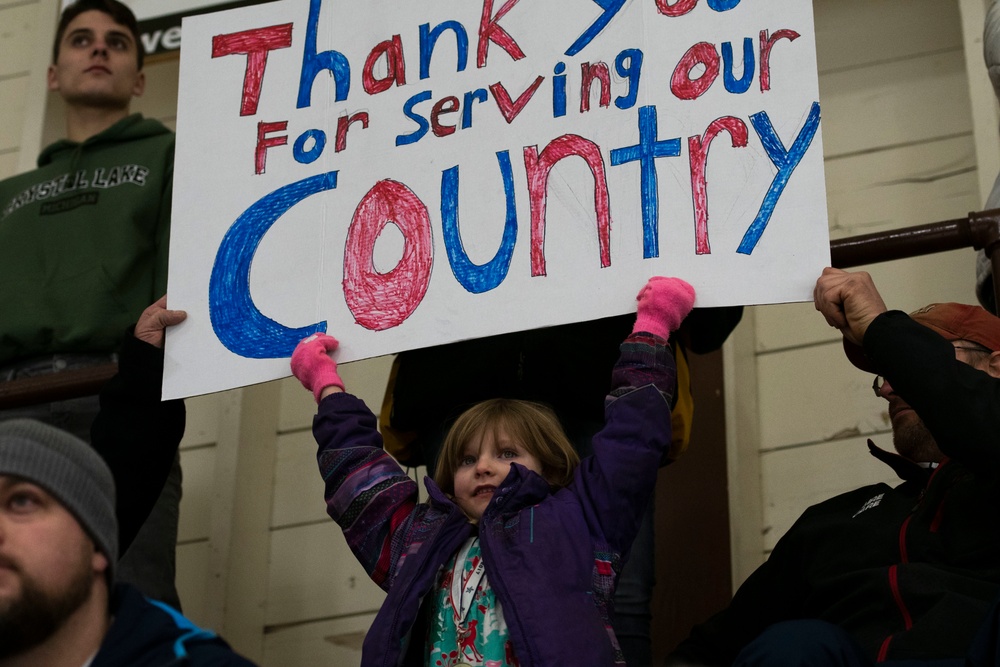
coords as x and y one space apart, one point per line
59 541
70 470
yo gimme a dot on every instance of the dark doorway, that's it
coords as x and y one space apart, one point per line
693 577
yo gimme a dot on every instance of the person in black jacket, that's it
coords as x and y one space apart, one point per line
903 575
62 527
131 410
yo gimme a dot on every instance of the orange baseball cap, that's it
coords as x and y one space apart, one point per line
953 321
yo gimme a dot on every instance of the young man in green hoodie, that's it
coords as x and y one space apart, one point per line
83 241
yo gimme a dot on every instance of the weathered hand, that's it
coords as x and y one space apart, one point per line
153 323
848 301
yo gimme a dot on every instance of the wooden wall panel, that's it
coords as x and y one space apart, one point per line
901 187
330 642
892 101
314 575
202 427
8 162
827 396
29 118
198 468
194 533
853 33
298 487
982 97
12 92
297 406
54 125
192 573
160 98
17 35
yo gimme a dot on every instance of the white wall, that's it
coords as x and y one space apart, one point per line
20 69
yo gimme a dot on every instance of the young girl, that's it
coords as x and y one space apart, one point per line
513 559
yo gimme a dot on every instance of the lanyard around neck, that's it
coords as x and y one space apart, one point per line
464 585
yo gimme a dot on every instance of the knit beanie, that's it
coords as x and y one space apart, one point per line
70 470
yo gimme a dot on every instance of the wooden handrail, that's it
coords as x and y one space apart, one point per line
979 230
55 386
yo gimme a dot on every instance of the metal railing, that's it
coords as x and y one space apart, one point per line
979 230
55 386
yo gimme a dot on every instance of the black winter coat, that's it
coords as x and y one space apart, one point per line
910 572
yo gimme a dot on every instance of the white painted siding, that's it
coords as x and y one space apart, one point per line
320 601
18 26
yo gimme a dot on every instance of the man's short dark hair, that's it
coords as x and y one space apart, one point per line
118 12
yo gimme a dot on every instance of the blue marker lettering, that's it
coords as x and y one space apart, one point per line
646 152
611 9
474 277
742 84
785 161
313 63
422 124
236 320
428 38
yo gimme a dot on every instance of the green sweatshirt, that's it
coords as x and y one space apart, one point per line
83 241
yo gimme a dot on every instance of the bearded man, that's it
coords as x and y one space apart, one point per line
59 603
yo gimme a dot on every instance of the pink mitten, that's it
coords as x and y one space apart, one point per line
312 364
663 305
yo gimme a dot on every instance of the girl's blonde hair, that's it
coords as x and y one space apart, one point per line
532 425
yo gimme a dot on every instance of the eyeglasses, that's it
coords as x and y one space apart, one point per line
972 349
880 380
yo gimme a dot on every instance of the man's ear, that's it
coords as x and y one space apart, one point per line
99 562
140 83
993 365
50 78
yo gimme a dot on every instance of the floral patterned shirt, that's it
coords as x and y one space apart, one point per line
466 627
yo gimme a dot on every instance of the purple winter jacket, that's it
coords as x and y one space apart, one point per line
552 556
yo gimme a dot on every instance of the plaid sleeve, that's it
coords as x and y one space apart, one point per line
645 360
366 491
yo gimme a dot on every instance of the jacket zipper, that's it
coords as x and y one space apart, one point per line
896 594
496 582
904 558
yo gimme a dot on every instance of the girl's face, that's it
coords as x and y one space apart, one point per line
485 463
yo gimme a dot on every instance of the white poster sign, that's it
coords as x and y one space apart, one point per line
404 173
